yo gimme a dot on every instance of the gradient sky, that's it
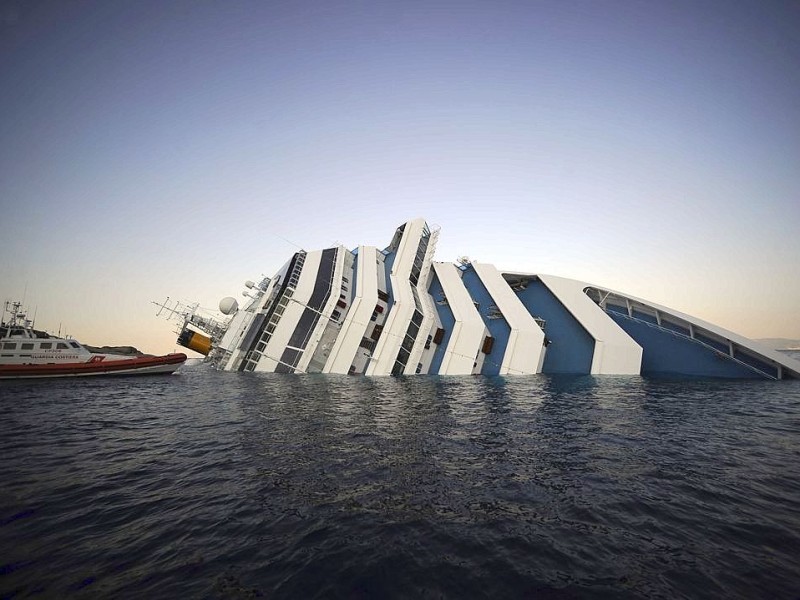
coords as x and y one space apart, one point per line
179 148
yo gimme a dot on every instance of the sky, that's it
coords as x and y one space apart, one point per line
154 149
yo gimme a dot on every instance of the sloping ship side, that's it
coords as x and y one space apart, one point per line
397 312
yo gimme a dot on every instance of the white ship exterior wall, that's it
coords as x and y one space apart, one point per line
615 352
326 311
237 329
238 332
427 309
469 330
524 353
333 327
291 314
357 320
239 324
427 353
400 313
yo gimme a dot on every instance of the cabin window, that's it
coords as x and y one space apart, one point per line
488 343
383 295
345 279
9 346
75 345
62 346
335 315
26 347
45 345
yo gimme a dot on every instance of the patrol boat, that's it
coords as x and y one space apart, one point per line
27 353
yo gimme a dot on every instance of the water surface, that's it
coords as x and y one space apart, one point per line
218 485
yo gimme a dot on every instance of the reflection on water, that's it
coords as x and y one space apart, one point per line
222 485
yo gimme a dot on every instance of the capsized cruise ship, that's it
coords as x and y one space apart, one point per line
395 311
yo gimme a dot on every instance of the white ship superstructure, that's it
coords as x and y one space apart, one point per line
397 312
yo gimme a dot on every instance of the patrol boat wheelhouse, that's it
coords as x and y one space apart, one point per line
396 311
28 353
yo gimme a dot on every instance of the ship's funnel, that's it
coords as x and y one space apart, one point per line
195 341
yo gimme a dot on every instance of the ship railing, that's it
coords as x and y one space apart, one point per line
717 351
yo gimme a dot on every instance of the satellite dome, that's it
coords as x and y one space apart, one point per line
228 305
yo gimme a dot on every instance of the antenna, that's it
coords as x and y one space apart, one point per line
289 241
171 308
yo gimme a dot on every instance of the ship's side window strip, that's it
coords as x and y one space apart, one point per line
26 347
62 346
74 344
46 345
9 346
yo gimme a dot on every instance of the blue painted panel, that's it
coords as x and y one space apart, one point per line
447 318
674 327
617 309
713 343
754 362
571 347
645 317
498 328
666 353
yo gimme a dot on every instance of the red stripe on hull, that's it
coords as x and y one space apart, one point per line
106 367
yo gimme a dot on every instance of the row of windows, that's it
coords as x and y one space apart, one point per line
408 343
39 345
252 357
419 259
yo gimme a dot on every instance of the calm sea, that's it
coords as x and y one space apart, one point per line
215 485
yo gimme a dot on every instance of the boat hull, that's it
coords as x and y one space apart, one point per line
144 365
